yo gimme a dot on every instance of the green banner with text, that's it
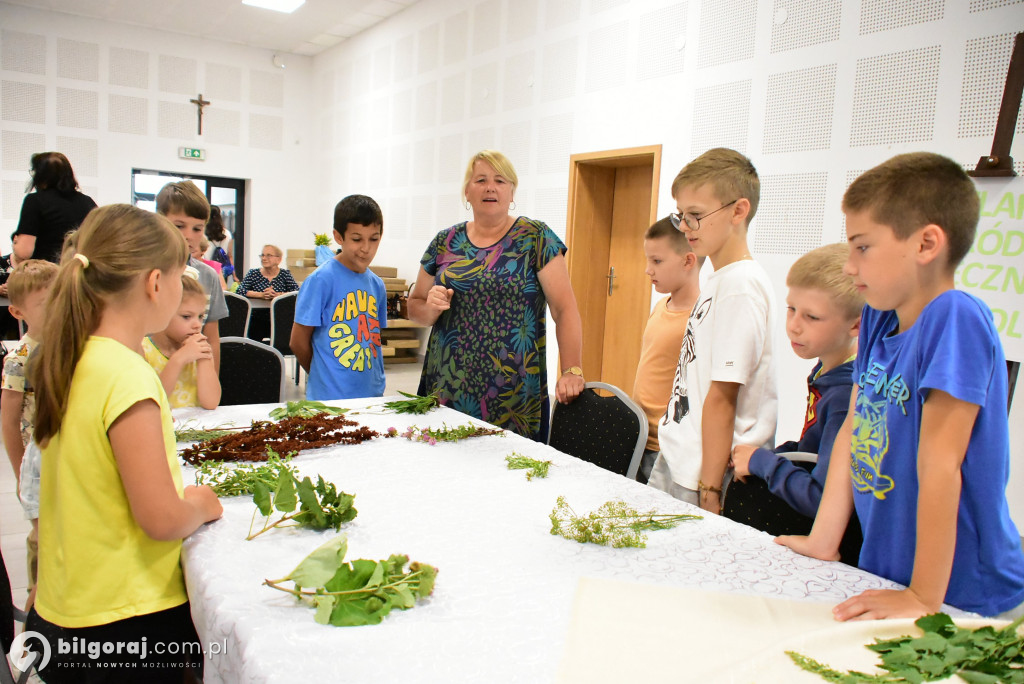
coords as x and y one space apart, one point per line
994 268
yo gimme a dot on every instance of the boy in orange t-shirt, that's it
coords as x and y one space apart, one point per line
674 269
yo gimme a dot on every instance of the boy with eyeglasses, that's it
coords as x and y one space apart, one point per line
724 389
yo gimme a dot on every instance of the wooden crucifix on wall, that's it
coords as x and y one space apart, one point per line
999 162
199 102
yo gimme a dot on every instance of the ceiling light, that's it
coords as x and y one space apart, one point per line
286 6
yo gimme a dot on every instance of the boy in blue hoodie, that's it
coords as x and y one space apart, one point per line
772 492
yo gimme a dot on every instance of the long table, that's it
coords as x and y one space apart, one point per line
501 608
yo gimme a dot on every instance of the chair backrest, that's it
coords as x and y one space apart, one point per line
237 322
607 431
250 372
282 315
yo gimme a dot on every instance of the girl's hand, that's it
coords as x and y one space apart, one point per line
439 298
205 501
195 348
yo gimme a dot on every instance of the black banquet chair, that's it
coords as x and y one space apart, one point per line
610 432
237 322
250 372
282 316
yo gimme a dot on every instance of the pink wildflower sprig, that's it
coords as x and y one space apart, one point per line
432 436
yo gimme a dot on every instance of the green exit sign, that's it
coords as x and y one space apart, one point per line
191 153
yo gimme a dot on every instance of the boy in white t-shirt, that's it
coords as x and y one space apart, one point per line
724 390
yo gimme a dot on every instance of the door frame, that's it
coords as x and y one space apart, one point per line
588 234
239 185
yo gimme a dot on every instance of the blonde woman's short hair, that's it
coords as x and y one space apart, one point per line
498 161
275 249
822 269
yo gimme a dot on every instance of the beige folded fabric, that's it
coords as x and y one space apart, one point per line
631 632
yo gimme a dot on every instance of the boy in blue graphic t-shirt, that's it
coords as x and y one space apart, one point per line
341 309
927 461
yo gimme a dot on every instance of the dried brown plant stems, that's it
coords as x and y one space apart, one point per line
297 433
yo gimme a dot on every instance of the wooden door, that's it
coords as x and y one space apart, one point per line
613 198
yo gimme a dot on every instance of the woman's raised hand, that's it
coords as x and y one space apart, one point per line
439 298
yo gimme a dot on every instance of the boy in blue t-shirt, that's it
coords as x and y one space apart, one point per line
341 309
929 454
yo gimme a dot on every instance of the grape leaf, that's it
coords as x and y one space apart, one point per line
261 497
320 566
310 504
360 592
284 495
324 607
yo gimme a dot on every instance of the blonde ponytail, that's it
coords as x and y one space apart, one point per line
114 246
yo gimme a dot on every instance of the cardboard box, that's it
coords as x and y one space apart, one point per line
300 254
301 274
385 271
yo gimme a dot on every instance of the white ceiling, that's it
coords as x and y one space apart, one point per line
312 28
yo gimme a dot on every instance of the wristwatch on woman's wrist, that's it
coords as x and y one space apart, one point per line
573 370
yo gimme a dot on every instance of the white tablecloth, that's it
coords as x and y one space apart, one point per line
501 607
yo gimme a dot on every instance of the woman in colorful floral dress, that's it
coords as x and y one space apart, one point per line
485 286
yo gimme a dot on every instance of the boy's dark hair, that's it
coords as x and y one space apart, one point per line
358 209
52 171
183 197
663 228
730 173
917 189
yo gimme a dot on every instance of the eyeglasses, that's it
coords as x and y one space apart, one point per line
268 256
693 222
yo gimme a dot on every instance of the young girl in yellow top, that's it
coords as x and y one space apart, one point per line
181 353
112 509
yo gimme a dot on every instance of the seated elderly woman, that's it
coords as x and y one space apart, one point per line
269 280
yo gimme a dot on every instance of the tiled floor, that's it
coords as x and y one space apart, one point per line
14 528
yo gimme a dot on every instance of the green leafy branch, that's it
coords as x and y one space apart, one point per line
305 409
533 467
321 240
613 524
238 480
413 403
978 656
318 507
360 592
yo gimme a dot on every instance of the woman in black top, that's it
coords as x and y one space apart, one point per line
53 210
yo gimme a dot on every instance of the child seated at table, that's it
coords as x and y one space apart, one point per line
924 454
772 492
182 355
28 289
341 309
674 269
112 508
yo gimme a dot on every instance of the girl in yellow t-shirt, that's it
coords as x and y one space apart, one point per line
181 353
112 509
